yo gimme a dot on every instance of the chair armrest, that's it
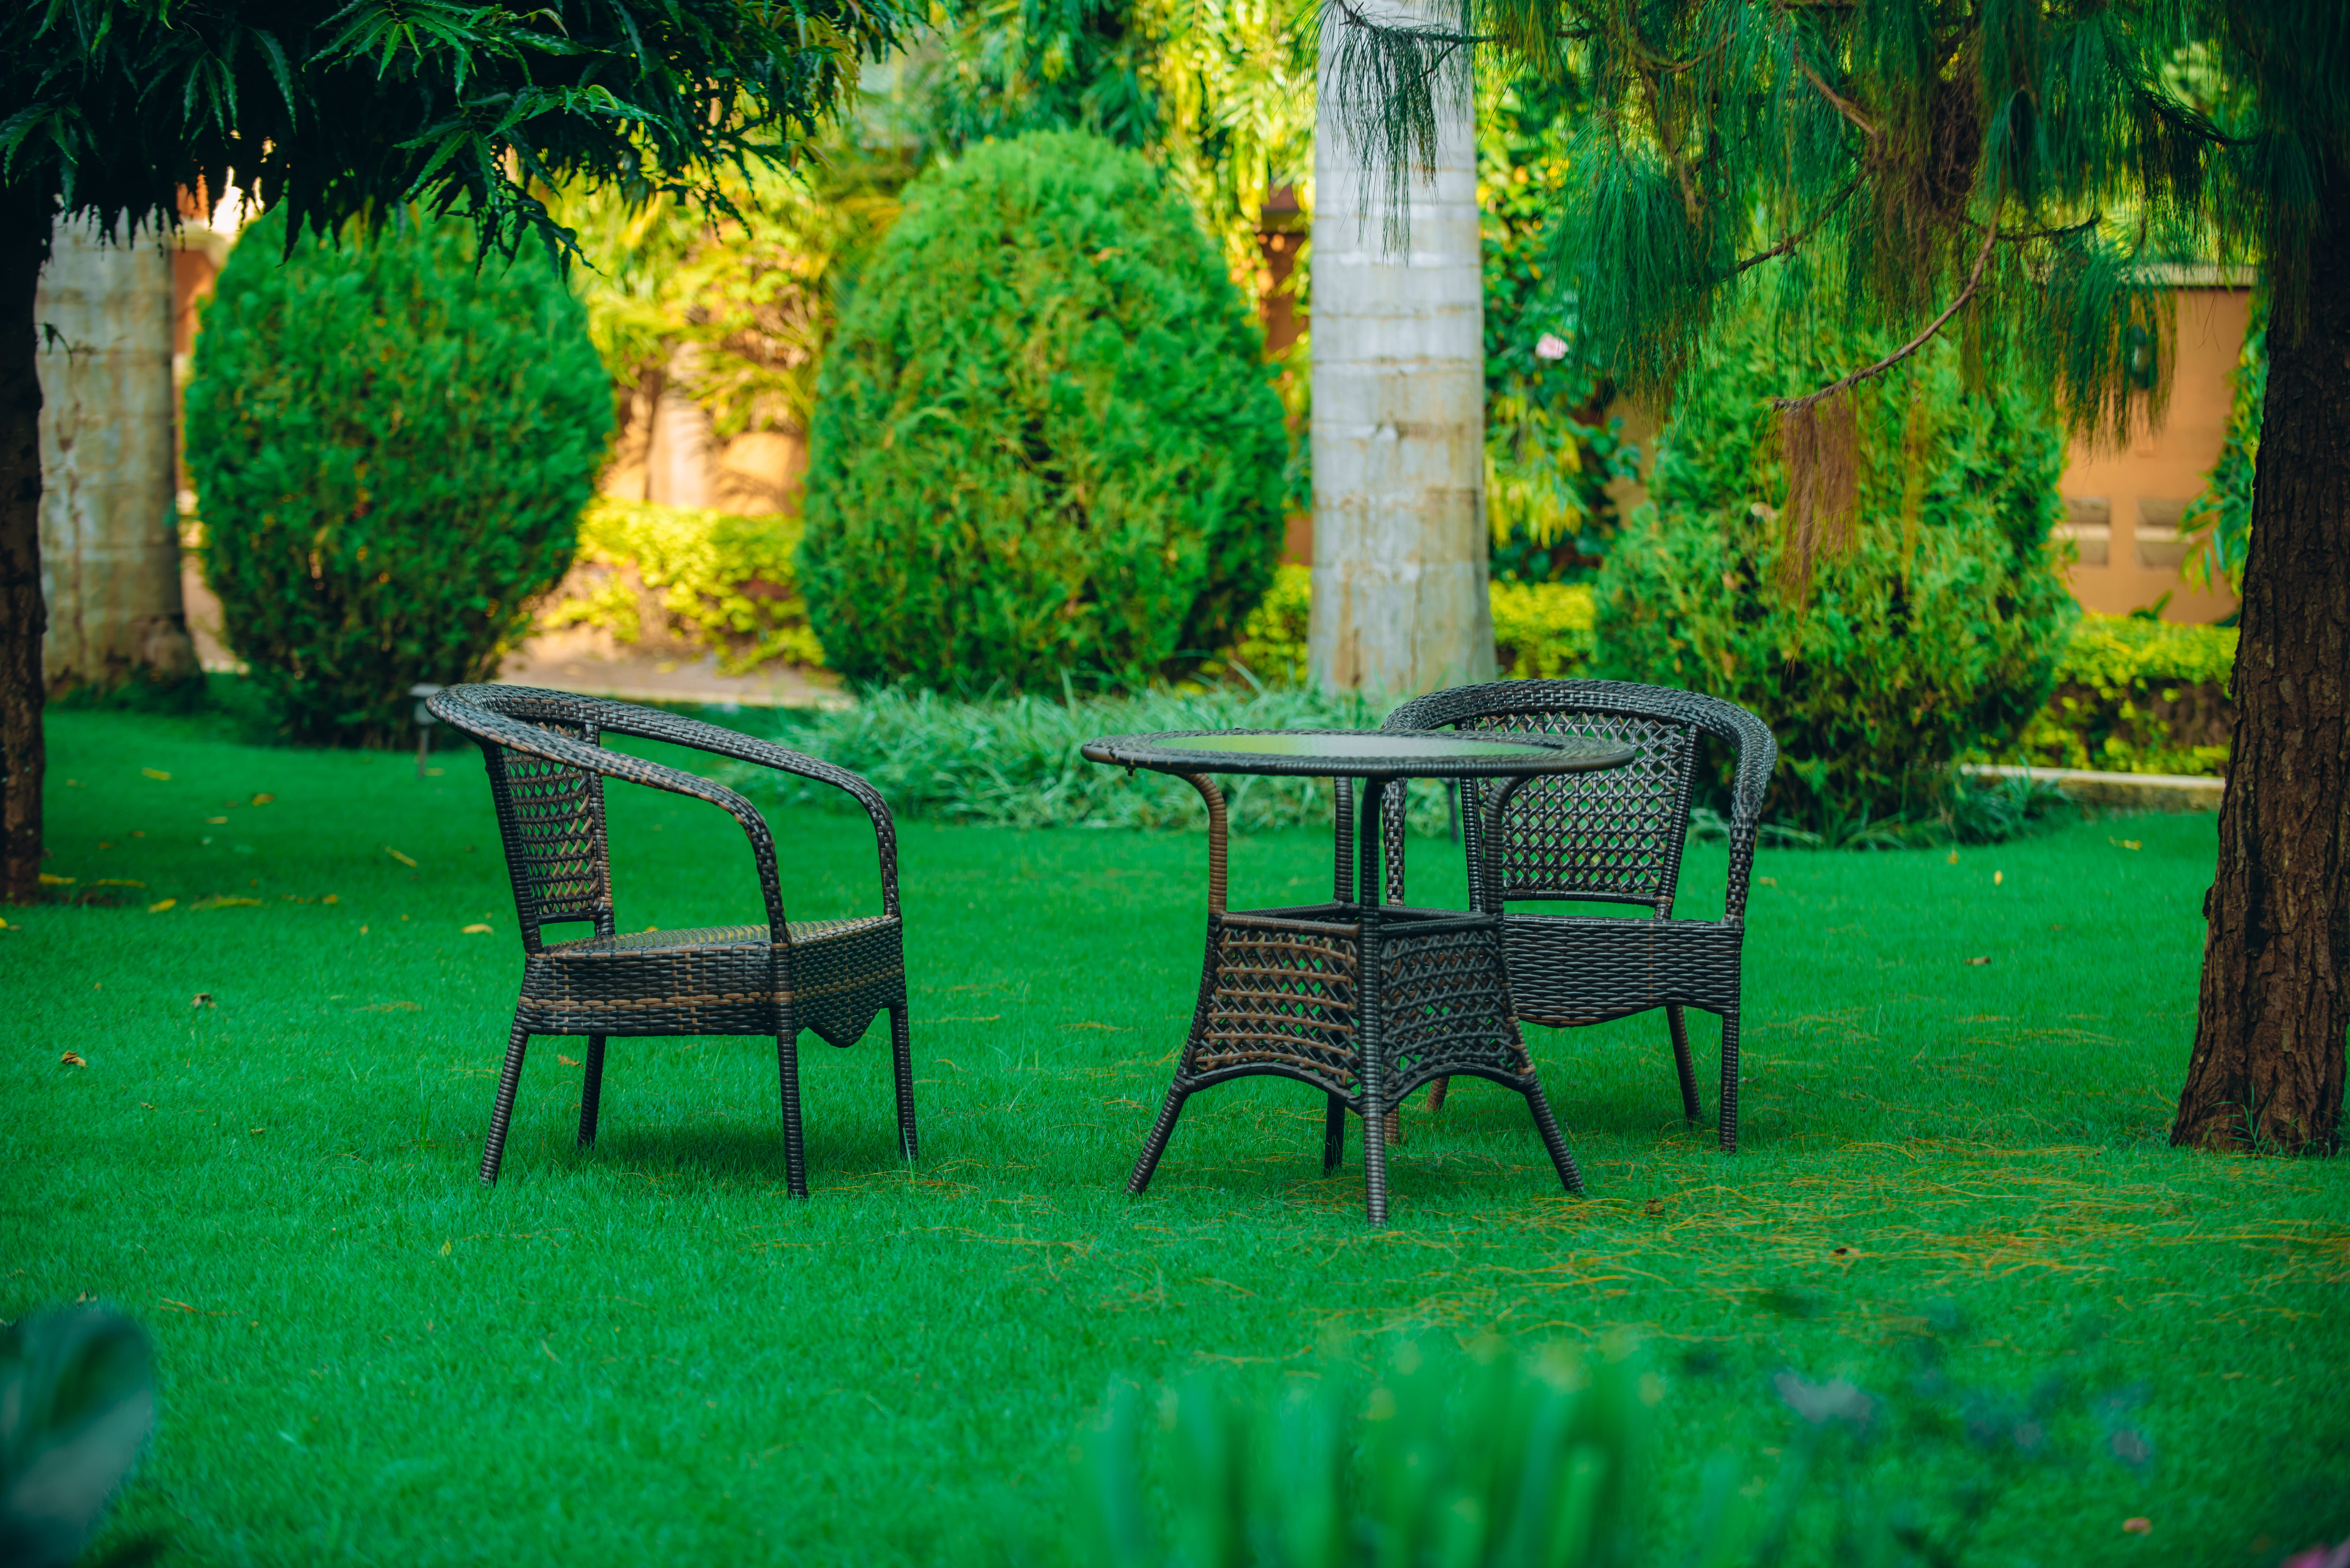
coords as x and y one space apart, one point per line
1758 757
531 740
651 725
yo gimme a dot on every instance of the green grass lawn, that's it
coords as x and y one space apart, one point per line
647 1352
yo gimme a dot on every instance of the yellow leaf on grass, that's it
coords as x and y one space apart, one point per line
477 929
330 899
160 905
73 1059
214 821
562 1059
51 881
263 799
157 773
396 854
116 882
217 903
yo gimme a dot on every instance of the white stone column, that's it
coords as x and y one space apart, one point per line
109 524
1399 540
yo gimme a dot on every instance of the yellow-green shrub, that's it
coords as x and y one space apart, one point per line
1541 630
2138 697
707 579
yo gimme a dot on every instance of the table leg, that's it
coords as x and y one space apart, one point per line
1367 1003
1334 1133
1342 856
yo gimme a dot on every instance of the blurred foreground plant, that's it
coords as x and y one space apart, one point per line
1442 1458
76 1402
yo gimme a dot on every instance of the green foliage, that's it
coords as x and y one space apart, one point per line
1219 96
1046 447
1936 634
2225 507
390 447
1550 450
732 310
77 1404
1482 1460
700 578
2138 696
341 110
1013 762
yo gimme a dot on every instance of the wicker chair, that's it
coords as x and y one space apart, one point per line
1609 837
548 766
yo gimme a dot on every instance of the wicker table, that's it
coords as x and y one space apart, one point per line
1361 1001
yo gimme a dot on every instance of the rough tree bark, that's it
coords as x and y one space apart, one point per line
24 244
2267 1069
1400 547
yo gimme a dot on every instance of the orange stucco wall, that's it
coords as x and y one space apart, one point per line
2123 505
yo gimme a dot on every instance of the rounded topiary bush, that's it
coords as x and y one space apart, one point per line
1045 445
389 448
1938 634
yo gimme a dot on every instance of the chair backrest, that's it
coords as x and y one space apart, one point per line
1614 835
550 814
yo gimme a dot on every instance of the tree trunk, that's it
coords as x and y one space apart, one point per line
110 528
24 242
1400 546
2267 1072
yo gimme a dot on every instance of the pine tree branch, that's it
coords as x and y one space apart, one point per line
1974 282
1788 245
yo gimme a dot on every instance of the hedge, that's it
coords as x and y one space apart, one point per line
2138 697
2132 696
706 580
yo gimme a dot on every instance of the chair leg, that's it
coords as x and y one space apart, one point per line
902 1051
1334 1133
591 1091
1155 1144
1436 1093
787 1071
501 1115
1730 1081
1676 1021
1547 1126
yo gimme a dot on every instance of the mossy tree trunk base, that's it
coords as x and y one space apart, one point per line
2267 1070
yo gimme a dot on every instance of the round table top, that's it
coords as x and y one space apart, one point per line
1356 753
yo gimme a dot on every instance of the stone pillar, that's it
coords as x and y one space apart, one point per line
1399 540
110 528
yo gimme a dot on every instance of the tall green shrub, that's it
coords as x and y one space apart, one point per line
1045 445
390 448
1938 632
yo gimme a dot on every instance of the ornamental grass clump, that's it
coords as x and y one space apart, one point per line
1046 446
1933 632
391 446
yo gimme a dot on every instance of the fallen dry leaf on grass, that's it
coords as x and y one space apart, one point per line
477 928
396 854
1978 960
157 773
73 1059
160 905
203 999
564 1059
263 799
49 880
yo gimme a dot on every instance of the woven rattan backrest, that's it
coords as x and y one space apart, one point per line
551 819
1614 835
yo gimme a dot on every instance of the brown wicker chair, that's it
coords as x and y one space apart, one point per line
1609 837
548 766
